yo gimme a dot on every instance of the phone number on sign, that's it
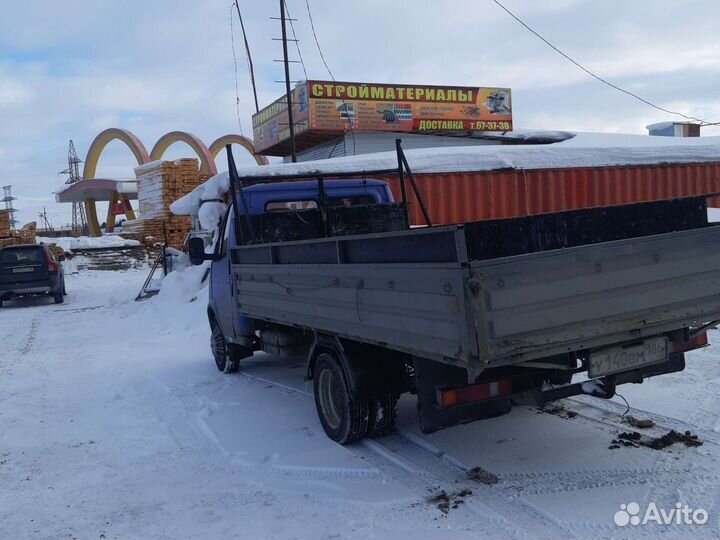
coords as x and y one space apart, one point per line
489 125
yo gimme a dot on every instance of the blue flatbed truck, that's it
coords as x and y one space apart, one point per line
469 317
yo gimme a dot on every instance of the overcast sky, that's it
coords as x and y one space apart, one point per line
71 69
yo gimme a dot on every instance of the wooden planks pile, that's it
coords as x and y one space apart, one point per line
9 237
161 183
4 223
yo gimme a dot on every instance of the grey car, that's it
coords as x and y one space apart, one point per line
30 269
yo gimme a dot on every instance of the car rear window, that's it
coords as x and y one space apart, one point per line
23 255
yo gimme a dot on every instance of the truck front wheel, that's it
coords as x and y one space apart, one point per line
343 414
224 360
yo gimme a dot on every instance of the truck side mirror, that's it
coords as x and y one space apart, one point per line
196 250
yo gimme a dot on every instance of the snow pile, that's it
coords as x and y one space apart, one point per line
583 150
182 286
713 214
210 215
88 242
183 299
179 259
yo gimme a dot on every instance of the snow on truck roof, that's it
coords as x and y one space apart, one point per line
581 150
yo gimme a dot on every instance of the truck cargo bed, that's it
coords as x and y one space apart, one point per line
421 292
541 304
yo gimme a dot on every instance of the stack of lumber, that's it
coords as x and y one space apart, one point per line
4 223
27 233
161 183
9 237
57 251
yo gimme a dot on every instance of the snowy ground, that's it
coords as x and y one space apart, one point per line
114 423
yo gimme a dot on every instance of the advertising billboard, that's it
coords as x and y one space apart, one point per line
331 108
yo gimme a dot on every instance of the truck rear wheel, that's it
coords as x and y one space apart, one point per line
224 360
343 414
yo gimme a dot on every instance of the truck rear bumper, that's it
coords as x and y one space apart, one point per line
604 387
441 407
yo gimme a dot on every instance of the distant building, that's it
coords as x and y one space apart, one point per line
674 129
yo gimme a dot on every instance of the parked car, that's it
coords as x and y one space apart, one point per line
30 269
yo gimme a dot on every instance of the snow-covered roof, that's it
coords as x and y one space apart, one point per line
665 125
100 189
582 150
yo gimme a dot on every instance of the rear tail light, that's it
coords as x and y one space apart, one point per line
701 340
52 265
475 392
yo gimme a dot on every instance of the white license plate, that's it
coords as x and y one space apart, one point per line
22 270
616 359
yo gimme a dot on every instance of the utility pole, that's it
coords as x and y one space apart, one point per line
44 220
293 152
79 220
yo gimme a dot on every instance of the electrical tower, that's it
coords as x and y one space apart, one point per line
79 219
8 199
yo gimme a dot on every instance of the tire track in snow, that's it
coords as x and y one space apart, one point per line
416 466
540 483
673 479
31 337
400 455
12 353
609 413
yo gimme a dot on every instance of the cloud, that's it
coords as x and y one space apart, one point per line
70 70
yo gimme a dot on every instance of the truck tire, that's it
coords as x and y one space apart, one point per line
59 297
383 414
224 360
344 416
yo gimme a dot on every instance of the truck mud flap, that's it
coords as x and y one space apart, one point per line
430 378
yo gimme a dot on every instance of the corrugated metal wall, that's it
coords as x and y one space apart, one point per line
460 197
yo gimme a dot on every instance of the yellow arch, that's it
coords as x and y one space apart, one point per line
246 143
207 163
91 161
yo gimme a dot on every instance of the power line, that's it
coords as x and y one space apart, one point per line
597 77
312 26
322 57
247 54
296 40
237 91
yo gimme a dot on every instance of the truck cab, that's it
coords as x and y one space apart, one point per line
276 212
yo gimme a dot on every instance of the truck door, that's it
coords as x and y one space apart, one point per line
236 328
222 292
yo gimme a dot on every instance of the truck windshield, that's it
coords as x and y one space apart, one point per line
284 206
